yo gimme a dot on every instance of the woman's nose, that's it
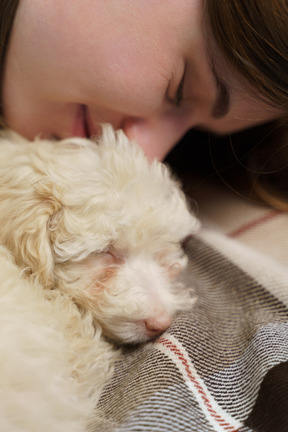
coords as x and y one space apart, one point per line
156 136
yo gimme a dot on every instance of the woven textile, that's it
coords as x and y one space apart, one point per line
223 366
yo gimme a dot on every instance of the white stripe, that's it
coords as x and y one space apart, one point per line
219 419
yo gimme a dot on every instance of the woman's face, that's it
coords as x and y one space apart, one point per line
145 66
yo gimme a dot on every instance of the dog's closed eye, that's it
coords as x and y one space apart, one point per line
86 279
172 259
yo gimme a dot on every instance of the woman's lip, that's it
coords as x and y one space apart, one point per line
79 128
93 130
83 126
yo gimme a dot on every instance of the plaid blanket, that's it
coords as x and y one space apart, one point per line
223 366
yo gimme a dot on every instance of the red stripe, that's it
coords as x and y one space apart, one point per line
254 223
198 386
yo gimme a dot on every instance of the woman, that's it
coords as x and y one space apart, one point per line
155 69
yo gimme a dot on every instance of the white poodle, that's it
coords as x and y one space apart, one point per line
91 238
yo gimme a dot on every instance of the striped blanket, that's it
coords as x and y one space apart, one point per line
223 366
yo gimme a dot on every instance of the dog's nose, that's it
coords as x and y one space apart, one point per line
157 324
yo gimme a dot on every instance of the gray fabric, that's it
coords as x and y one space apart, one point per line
220 367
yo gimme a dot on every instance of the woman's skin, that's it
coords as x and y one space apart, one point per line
147 66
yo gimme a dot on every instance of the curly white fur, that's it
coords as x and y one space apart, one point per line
91 244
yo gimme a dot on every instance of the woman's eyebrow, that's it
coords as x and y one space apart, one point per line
221 105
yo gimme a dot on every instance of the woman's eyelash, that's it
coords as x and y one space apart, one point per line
179 94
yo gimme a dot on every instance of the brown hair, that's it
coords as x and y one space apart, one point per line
7 13
253 35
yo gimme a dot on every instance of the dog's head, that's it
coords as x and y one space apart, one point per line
96 220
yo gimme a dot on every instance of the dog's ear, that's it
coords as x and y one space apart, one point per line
28 236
